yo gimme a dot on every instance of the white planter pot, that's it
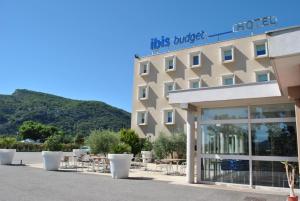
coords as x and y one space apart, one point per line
7 156
119 165
146 156
51 159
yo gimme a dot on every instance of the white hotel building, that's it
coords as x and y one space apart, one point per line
245 94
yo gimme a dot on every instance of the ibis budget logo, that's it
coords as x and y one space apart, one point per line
249 25
163 41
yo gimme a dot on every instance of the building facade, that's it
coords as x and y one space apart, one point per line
236 100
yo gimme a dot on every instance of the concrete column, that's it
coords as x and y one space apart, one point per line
190 154
297 112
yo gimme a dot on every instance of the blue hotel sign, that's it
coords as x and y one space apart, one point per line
157 43
255 23
165 42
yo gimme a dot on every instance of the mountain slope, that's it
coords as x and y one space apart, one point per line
72 116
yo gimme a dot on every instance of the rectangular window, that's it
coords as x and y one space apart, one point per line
271 173
274 139
169 116
224 113
169 86
260 49
228 80
143 92
170 63
227 55
144 68
225 139
196 60
272 111
194 84
262 76
142 118
226 170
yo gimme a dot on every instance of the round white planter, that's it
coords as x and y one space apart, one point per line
119 165
51 159
146 156
7 156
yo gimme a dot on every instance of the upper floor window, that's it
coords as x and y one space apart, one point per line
169 86
143 92
228 80
227 54
169 116
260 48
194 84
170 63
142 117
144 68
195 59
262 76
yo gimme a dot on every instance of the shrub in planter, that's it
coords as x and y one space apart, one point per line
128 136
52 157
121 148
102 141
120 161
147 151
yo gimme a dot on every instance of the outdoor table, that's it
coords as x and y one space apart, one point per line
97 158
170 162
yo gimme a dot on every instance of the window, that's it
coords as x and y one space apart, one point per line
169 86
143 92
224 113
142 117
228 80
274 139
195 59
273 111
144 68
260 49
227 54
225 139
263 76
168 116
194 83
170 63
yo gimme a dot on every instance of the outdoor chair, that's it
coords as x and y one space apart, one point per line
65 162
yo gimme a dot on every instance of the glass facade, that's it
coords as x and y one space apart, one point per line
228 171
274 139
225 135
225 139
270 173
225 113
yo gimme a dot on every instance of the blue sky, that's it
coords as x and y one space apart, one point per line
84 49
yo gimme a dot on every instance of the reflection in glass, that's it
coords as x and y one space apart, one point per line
225 139
271 173
274 139
225 113
228 171
272 111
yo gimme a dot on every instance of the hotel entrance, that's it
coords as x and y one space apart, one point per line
245 145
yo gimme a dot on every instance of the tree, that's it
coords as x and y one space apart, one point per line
79 139
128 136
102 142
37 131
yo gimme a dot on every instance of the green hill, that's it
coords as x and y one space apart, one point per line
72 116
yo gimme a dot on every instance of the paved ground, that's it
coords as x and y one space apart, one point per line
23 183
